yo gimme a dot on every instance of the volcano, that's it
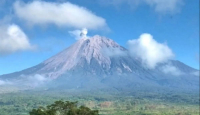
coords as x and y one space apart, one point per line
101 63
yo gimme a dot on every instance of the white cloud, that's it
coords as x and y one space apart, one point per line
160 6
61 14
150 51
169 69
34 80
112 52
166 6
13 39
78 34
38 78
196 73
2 82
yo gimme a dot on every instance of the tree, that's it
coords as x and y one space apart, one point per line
64 108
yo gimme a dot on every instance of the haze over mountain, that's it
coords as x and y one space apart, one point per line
101 63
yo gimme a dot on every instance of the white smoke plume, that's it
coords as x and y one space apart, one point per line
79 34
84 32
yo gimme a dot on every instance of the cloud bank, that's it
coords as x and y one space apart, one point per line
150 51
61 14
13 39
160 6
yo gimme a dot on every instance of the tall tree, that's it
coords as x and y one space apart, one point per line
64 108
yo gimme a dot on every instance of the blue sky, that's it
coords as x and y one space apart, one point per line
171 22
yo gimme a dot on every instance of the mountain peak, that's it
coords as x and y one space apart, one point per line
94 48
98 40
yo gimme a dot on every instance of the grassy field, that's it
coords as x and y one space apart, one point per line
20 103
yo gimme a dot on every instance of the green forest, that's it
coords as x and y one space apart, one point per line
22 103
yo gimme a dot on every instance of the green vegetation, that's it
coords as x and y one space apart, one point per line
21 103
64 108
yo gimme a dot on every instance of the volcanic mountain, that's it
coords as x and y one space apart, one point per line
99 62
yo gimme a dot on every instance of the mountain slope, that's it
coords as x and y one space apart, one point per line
100 62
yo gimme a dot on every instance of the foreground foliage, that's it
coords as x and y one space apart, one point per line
64 108
153 103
